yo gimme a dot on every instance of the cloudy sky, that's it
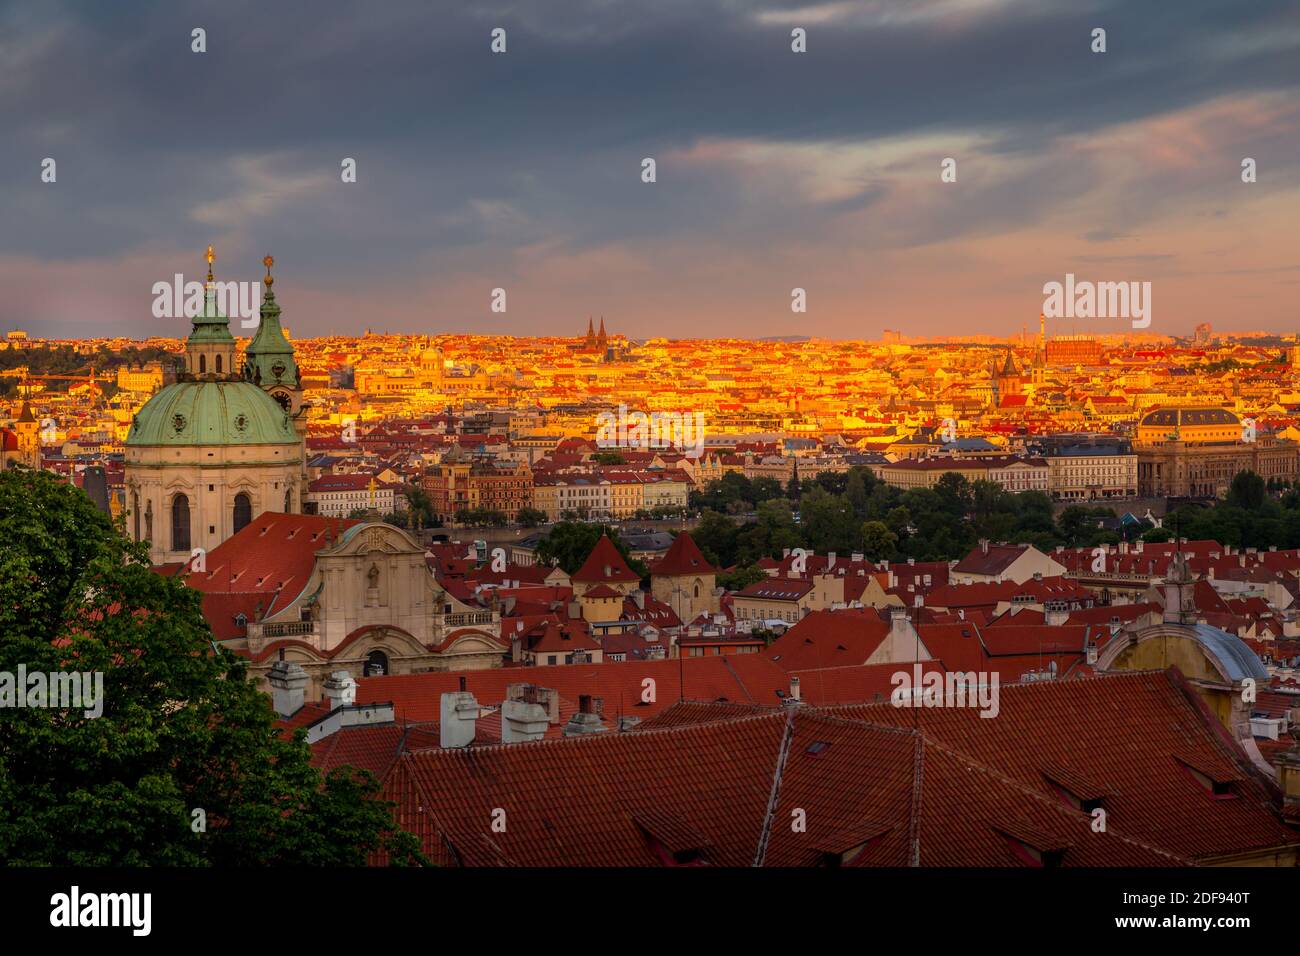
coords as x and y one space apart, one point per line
775 170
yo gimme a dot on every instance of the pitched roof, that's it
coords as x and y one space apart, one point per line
830 639
273 551
682 557
879 786
604 564
995 560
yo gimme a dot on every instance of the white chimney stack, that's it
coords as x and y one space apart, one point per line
459 713
340 690
526 713
288 687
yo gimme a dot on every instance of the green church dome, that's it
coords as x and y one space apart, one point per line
211 413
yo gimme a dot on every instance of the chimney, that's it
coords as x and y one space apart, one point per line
785 553
830 560
1137 546
984 545
288 685
857 557
1090 649
639 596
526 713
585 721
1123 547
898 623
1055 615
458 715
1038 575
627 723
794 690
340 690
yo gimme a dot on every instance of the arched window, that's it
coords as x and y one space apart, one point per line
376 664
203 364
218 364
180 523
288 501
697 588
135 513
243 511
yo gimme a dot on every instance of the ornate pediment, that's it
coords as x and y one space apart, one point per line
379 537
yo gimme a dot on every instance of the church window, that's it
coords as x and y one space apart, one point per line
243 511
180 523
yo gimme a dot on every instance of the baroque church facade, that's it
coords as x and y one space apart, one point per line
223 443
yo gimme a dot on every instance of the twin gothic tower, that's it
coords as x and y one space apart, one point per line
222 444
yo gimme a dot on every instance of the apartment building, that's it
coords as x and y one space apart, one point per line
337 496
453 486
1011 472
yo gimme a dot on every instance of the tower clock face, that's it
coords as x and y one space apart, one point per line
283 400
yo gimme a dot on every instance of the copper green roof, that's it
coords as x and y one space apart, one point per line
211 413
268 360
210 325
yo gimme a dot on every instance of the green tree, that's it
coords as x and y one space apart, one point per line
740 578
878 542
717 537
531 517
421 508
828 521
181 728
771 534
1247 491
855 490
570 543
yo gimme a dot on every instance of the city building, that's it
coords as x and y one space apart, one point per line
1197 451
208 453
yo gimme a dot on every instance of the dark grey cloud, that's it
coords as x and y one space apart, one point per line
470 163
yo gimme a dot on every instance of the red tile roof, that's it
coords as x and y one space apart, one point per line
933 788
273 551
830 639
750 678
604 564
683 557
997 559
